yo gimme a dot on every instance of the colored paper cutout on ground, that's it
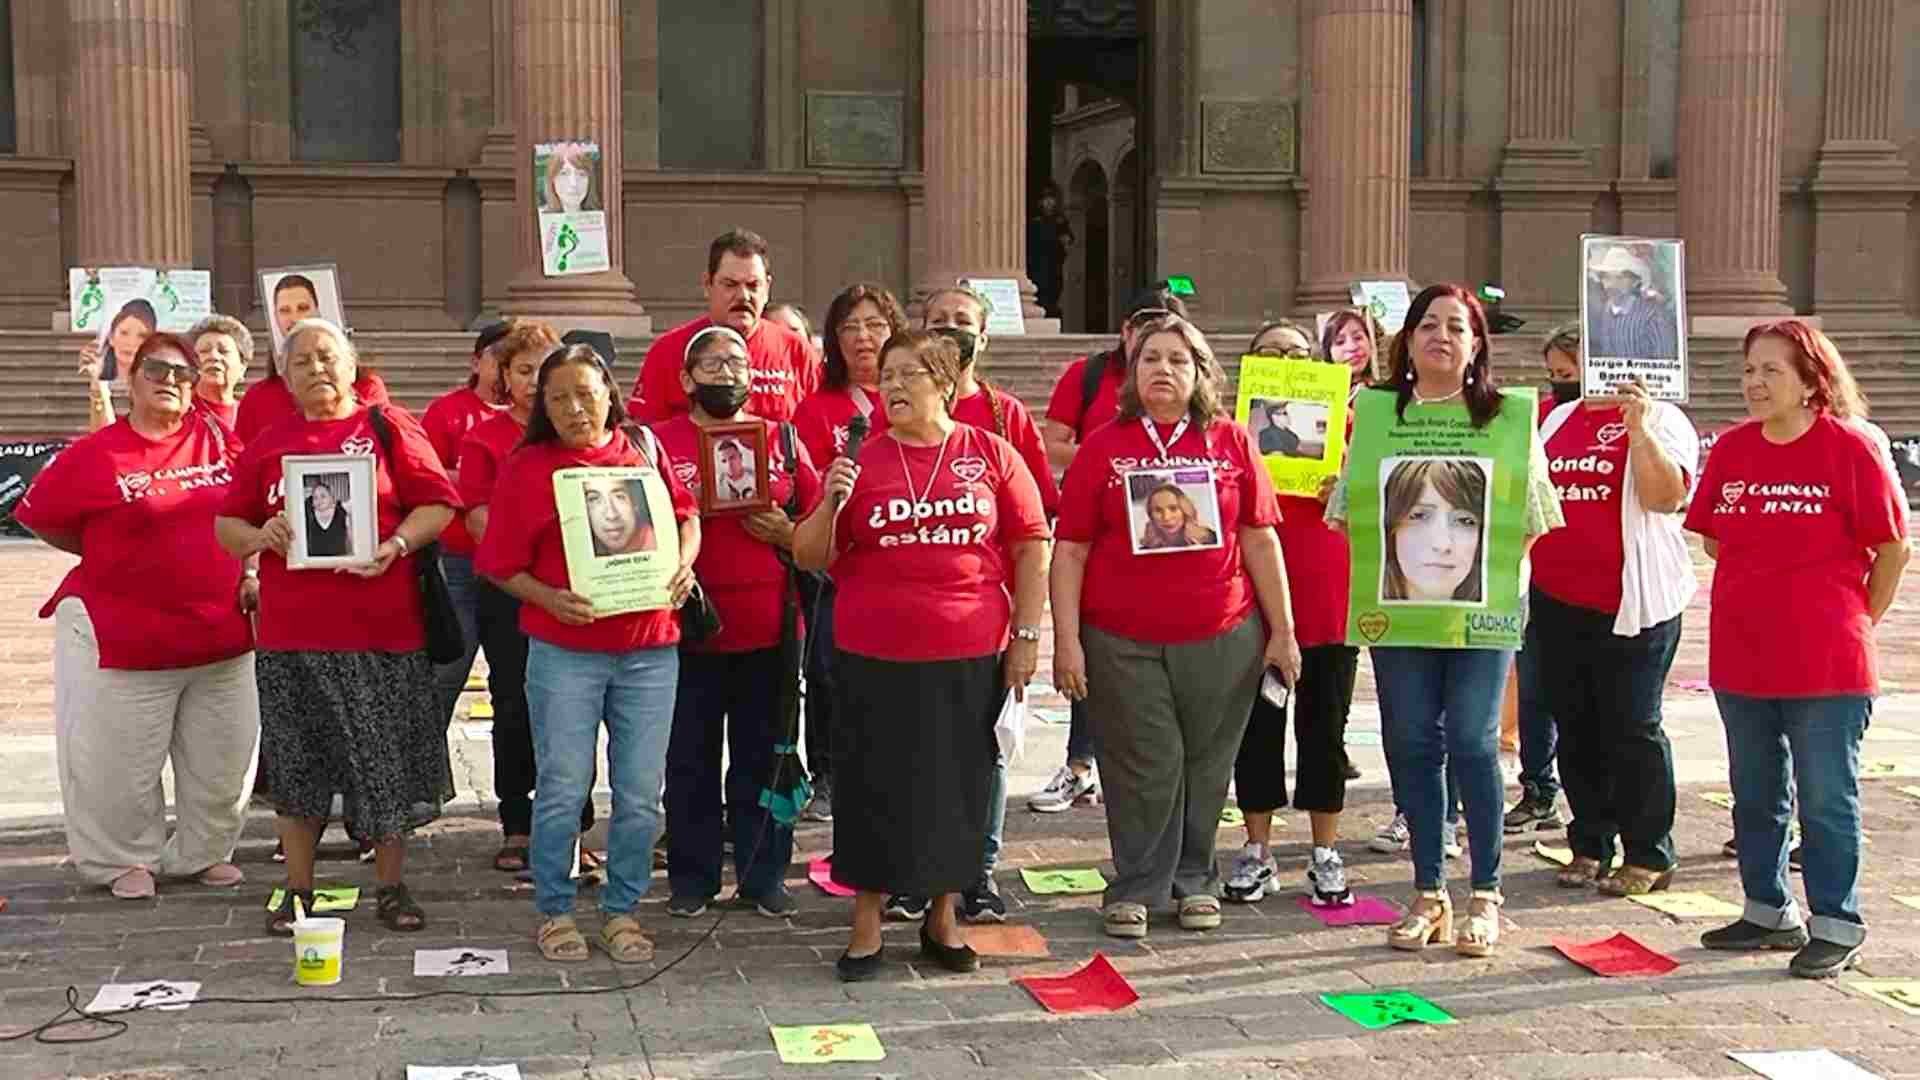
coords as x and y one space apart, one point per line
1019 942
1618 956
1231 816
1688 905
820 872
1063 882
1721 799
1910 901
1096 987
1366 910
158 994
482 732
1910 791
822 1044
482 710
1801 1065
1560 856
1381 1010
457 962
343 898
1362 738
476 681
1884 768
1902 994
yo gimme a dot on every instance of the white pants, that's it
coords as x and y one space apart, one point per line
114 729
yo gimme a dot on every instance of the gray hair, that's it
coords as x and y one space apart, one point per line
317 325
230 326
1565 337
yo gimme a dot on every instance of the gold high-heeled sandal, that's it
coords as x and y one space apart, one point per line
1480 931
1428 921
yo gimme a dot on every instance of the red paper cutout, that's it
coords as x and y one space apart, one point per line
1619 955
1096 987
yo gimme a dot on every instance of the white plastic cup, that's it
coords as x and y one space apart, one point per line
317 948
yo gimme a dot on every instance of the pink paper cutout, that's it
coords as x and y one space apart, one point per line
1366 910
1096 987
1619 955
820 872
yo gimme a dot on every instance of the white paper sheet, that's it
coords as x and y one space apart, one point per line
1801 1065
463 1072
438 962
158 994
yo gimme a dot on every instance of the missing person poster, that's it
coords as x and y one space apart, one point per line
1297 412
99 298
571 208
1387 301
1436 517
622 544
1633 316
20 461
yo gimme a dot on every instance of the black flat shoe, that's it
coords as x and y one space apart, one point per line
959 959
1745 936
1822 960
853 968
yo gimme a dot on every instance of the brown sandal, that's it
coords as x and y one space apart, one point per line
560 940
1637 881
621 937
1429 921
512 856
1580 873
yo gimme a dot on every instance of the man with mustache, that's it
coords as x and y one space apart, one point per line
785 367
1626 318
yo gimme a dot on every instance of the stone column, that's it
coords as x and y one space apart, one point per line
976 144
128 132
1546 196
499 146
1731 55
566 85
1359 131
1862 191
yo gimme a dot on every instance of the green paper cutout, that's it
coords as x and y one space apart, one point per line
1231 815
1180 285
1063 882
324 900
820 1044
1376 1011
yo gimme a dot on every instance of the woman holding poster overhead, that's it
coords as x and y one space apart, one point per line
1164 643
1810 537
603 630
939 525
1445 488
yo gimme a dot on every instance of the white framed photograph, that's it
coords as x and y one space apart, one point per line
1433 530
330 504
1633 316
291 293
1171 510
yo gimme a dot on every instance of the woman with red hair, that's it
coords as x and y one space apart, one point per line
1805 520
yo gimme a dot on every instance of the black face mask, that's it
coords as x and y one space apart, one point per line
721 400
966 339
1564 392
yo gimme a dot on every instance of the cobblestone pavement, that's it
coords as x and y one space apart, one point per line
1240 1001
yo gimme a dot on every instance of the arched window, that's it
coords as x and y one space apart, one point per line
710 84
346 80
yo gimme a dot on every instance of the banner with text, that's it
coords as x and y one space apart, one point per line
1297 412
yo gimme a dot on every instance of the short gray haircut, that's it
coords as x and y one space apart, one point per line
317 325
230 326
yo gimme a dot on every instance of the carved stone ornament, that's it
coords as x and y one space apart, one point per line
1247 136
856 130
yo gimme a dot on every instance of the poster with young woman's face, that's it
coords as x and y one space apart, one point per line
121 305
1433 522
1171 510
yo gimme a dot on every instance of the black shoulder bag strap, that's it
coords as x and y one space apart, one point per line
446 639
1090 377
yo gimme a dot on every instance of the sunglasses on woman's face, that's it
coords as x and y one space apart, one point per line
161 372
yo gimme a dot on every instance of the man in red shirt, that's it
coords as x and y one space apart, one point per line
737 283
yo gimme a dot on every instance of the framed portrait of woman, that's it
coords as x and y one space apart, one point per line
330 504
733 468
1172 510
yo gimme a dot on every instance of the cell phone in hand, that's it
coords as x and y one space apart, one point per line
1274 688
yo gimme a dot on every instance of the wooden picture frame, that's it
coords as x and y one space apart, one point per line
744 446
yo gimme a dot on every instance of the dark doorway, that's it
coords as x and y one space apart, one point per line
1087 298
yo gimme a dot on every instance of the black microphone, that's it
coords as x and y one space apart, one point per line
856 434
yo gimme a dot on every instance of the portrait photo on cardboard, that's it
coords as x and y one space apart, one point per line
1290 428
291 293
1171 510
1433 530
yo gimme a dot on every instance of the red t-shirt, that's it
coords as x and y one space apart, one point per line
270 401
785 367
325 610
447 421
1319 566
523 533
1171 597
228 414
483 454
935 587
1021 431
822 421
160 590
1794 523
743 577
1581 563
1064 407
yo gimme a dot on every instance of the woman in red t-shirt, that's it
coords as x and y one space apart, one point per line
153 657
735 685
859 321
584 668
1797 505
346 690
1317 590
224 347
1164 644
926 539
272 399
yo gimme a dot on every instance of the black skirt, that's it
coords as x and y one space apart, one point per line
913 756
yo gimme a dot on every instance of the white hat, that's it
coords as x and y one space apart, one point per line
1619 260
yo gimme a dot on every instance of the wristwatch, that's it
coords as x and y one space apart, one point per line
1026 633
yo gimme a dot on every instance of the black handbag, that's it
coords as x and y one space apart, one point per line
446 638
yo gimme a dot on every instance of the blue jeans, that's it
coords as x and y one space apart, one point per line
733 697
1440 709
462 584
1079 734
569 693
996 816
1773 746
1538 732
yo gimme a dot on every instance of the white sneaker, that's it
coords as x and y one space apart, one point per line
1327 879
1063 790
1450 840
1255 874
1392 838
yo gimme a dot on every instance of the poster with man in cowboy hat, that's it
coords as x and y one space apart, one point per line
1633 313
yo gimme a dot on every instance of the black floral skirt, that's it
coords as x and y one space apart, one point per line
364 725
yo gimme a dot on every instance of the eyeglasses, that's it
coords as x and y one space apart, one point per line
1291 352
903 375
879 328
722 365
161 372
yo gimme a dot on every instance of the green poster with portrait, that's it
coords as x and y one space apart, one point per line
1436 517
1297 412
622 543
